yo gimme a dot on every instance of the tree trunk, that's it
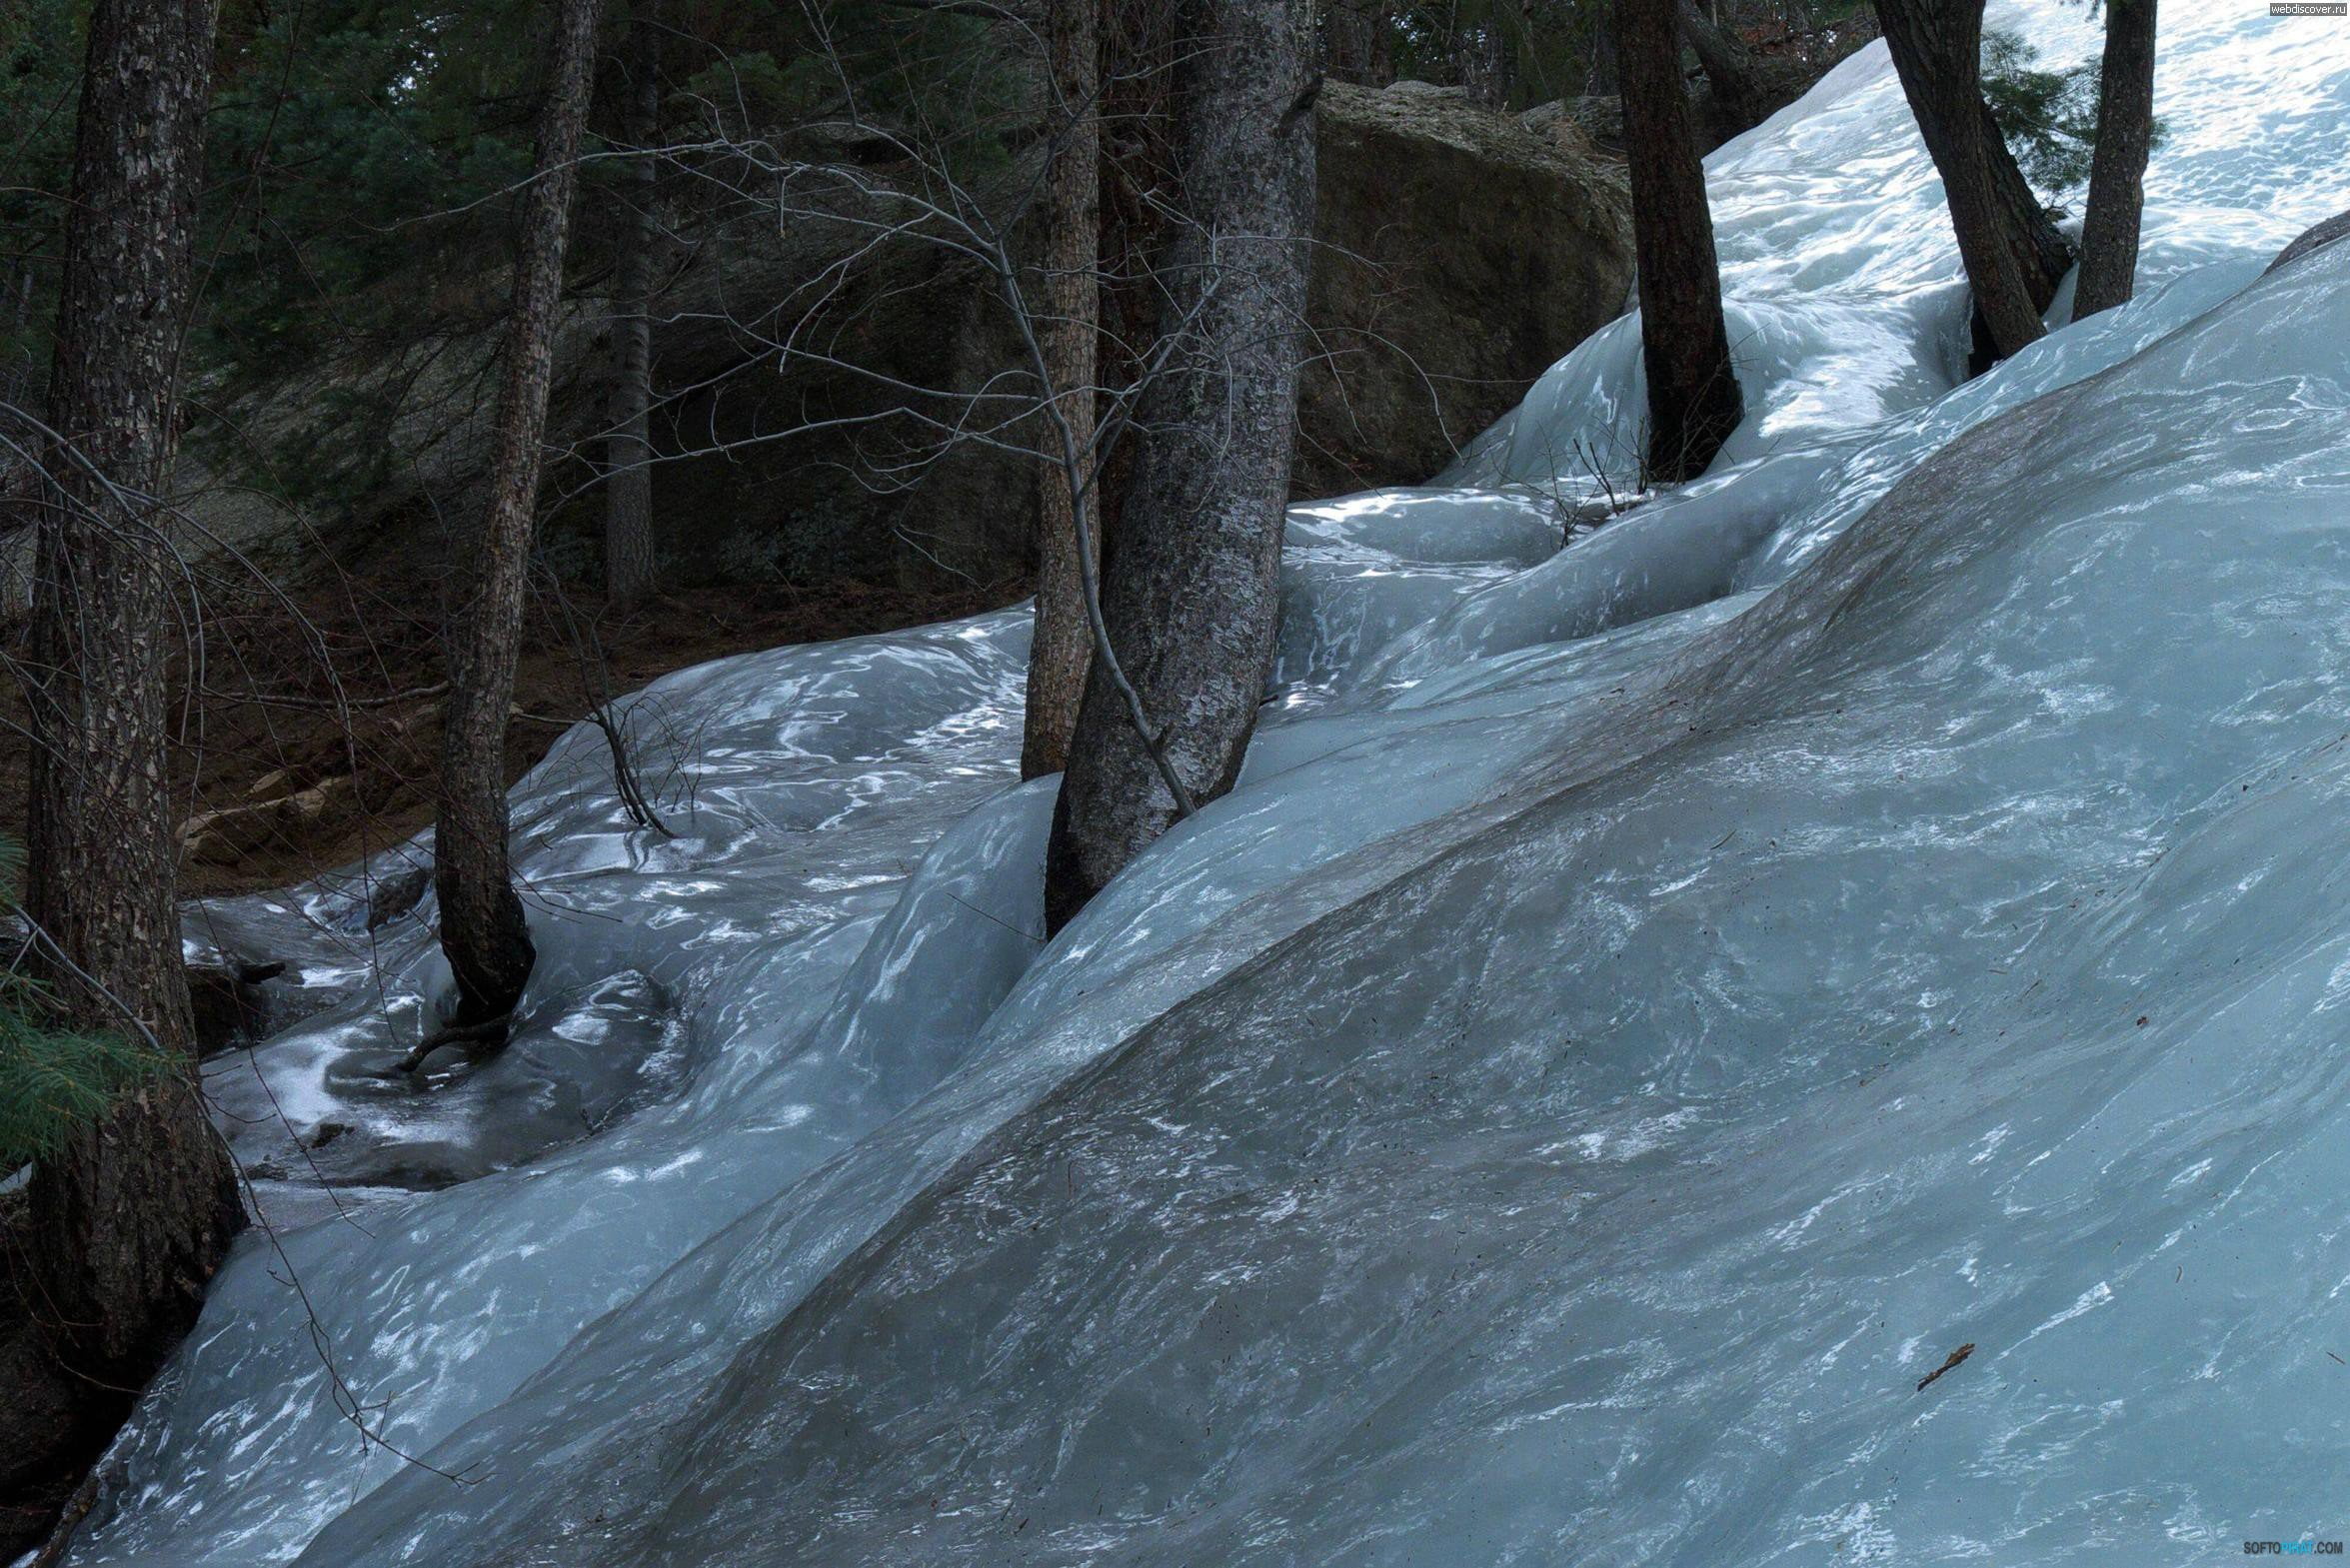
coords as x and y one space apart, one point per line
1359 42
483 930
2006 239
1740 94
1605 80
1064 643
1136 48
125 1225
2042 254
2117 171
1486 65
17 375
628 569
1693 398
1191 588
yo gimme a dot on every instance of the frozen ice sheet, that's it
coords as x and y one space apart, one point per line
1646 1004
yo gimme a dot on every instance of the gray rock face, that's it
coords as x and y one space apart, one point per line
1599 116
2310 239
1463 252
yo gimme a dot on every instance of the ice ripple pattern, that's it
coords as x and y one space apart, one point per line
1645 1006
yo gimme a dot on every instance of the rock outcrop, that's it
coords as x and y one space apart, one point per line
1461 253
2310 239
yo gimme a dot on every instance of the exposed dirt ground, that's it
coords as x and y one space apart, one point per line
280 780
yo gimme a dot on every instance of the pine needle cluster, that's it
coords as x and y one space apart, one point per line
2049 118
55 1077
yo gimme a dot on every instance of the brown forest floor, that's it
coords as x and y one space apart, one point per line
279 786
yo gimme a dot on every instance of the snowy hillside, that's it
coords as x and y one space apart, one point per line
1648 1005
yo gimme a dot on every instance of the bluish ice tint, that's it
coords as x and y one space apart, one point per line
1645 1006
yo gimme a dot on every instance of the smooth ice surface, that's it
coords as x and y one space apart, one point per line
1645 1006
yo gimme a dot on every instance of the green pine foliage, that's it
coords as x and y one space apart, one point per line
54 1080
55 1077
40 89
2048 117
365 156
1544 47
356 151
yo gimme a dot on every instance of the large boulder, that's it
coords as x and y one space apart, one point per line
1460 253
2311 238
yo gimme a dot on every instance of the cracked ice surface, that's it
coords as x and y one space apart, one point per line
1646 1006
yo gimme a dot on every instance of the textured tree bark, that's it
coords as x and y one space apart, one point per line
2117 169
2042 254
1190 590
1693 398
628 556
18 376
1728 65
2013 256
483 930
1135 47
1486 65
1359 41
1064 643
125 1225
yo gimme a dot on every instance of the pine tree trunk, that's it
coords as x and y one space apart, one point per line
483 930
1358 40
125 1225
17 375
2042 254
1135 46
2005 240
1484 65
1693 398
628 556
2117 171
1190 590
1739 89
1064 643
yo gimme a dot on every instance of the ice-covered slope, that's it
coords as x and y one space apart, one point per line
1843 290
1643 1009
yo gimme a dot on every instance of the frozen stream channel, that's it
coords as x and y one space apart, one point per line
1645 1006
